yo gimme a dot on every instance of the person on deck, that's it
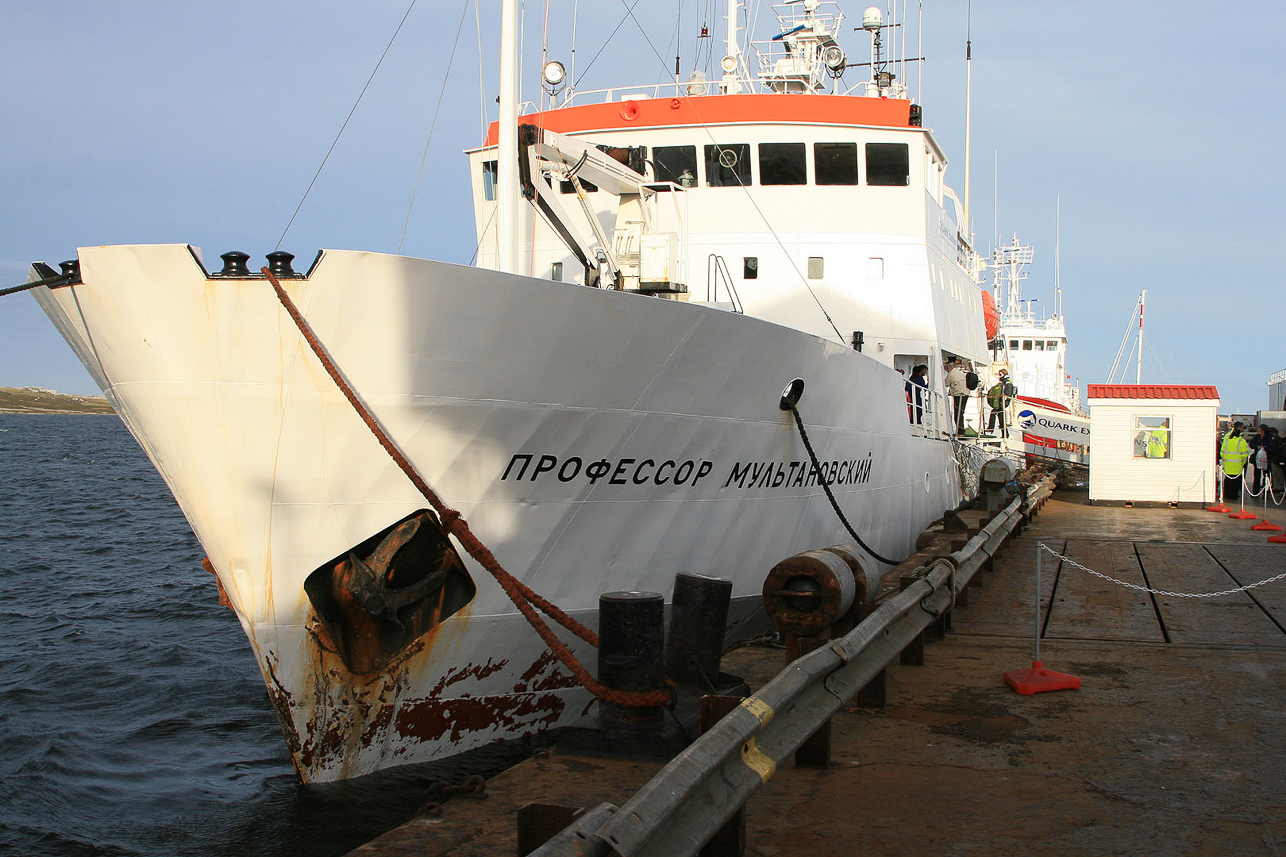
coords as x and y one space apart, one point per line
999 397
1234 452
915 388
958 389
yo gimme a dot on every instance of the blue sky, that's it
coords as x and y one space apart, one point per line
1157 125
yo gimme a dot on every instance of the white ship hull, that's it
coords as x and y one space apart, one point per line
506 393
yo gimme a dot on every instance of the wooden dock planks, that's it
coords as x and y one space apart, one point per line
1232 619
1247 564
1086 607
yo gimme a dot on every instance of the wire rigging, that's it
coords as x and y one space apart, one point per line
345 125
434 124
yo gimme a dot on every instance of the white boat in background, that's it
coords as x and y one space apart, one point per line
1047 419
599 398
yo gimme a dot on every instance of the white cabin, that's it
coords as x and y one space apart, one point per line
1153 443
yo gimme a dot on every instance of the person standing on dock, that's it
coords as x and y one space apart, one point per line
1234 452
958 389
1263 451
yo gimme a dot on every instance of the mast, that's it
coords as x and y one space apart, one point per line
508 196
731 64
1138 370
968 224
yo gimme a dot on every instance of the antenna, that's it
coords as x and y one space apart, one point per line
1058 287
968 114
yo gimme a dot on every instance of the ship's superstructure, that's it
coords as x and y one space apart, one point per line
599 399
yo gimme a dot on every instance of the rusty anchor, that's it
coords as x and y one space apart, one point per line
369 582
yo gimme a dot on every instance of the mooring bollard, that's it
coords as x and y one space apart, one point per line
631 640
698 616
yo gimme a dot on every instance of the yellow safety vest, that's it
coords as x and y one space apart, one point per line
1235 452
1157 444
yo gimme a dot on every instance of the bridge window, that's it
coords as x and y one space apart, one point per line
750 268
1052 345
816 267
783 163
1026 345
835 163
728 165
888 164
676 164
1013 345
489 174
1040 345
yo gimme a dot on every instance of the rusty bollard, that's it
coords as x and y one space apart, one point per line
631 639
805 595
698 616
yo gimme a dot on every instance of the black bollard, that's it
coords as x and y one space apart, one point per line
631 639
698 617
234 264
279 263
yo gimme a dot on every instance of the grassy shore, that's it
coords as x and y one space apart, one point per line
33 400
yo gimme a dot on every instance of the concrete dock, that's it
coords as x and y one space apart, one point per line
1173 744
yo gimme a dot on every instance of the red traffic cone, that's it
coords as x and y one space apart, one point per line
1038 679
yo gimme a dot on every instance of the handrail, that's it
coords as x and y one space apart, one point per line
700 789
715 265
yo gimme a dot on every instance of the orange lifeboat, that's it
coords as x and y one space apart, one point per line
990 315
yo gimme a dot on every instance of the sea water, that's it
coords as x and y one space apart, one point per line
133 719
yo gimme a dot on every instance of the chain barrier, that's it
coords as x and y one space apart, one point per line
1047 549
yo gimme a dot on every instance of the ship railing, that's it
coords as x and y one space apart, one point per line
926 410
716 273
702 788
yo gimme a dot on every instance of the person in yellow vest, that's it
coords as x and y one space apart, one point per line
1234 452
1158 444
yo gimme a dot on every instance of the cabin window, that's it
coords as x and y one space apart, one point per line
556 272
1026 345
676 164
750 268
1040 345
568 187
835 163
783 163
888 164
728 165
1152 437
816 267
489 175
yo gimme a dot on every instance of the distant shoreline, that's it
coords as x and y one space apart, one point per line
34 400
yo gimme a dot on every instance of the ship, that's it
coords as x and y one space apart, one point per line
1046 420
382 456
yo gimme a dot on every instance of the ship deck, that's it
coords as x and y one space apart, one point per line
1172 744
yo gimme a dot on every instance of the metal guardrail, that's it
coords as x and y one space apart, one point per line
703 787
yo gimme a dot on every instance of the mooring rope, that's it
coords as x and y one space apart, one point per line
821 477
452 522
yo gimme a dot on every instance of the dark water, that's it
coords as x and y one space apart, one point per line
133 720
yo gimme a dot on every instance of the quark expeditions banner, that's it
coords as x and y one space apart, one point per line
1053 434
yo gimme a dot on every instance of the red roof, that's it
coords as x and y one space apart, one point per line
1152 391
